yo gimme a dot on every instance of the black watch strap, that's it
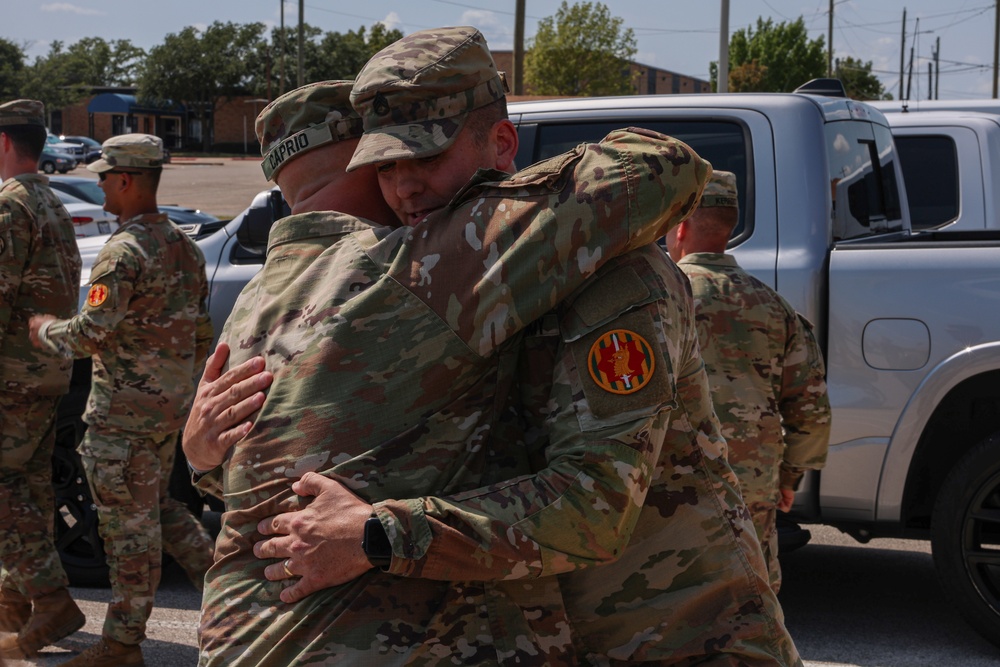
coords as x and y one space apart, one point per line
376 543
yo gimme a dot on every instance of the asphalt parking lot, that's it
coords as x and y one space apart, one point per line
220 186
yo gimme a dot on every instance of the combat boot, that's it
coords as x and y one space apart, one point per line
108 653
53 617
15 610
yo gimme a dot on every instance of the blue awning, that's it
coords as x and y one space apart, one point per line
128 104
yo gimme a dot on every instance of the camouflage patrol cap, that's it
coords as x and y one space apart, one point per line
303 119
22 112
131 151
720 190
415 94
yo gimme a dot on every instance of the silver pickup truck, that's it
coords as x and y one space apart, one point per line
909 321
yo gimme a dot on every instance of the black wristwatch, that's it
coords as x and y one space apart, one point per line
376 543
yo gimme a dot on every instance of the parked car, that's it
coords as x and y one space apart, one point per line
195 222
52 161
88 219
91 147
53 142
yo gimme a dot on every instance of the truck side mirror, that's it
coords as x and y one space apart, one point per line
258 220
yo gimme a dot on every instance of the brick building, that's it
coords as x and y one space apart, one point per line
113 111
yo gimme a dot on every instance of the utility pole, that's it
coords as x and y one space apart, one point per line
518 73
722 84
902 58
996 45
909 76
302 39
829 46
937 67
281 74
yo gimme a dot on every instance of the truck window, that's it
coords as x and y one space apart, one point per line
930 172
724 144
863 185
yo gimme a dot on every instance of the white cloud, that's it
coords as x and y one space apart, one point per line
499 32
392 21
65 7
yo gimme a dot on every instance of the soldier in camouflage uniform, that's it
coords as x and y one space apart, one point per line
598 388
39 272
764 365
147 329
383 344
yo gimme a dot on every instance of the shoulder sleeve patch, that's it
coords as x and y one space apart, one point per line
628 372
621 362
97 295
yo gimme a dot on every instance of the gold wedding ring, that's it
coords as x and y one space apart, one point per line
284 566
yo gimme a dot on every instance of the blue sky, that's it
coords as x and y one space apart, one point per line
682 36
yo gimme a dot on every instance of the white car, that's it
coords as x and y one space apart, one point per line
88 219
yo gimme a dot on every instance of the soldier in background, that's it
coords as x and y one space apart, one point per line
764 365
146 326
39 273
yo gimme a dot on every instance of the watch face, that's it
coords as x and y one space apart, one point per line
376 543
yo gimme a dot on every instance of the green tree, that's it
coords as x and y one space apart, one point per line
859 81
775 58
94 62
267 71
331 55
342 55
202 68
53 79
582 50
11 69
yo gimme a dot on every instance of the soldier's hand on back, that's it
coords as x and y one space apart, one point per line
321 544
223 405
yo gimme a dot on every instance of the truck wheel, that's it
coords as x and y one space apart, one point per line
965 537
48 167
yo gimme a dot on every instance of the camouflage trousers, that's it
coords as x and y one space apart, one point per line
765 523
27 504
129 474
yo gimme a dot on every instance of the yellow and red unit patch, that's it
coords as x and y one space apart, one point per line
97 295
621 362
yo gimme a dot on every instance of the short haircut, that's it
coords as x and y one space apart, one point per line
28 140
481 120
153 175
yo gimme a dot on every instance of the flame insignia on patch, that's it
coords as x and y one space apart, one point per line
621 362
97 295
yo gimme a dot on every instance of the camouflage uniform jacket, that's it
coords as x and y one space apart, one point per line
767 376
39 274
146 325
387 376
692 581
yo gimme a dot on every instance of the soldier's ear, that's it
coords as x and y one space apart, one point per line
682 231
505 140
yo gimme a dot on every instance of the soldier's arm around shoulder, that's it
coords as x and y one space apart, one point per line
664 179
607 401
